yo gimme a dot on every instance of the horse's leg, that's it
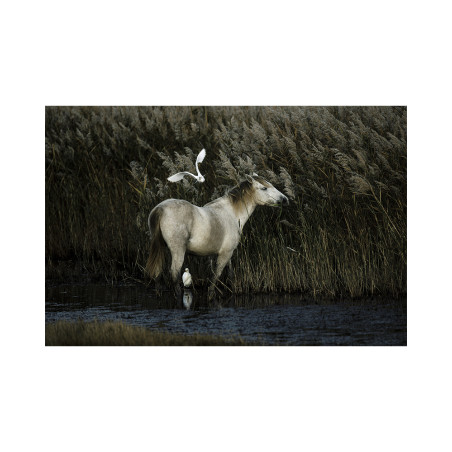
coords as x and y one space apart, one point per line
222 260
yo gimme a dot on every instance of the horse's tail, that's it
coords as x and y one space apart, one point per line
156 257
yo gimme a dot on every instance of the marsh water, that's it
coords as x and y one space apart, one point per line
275 319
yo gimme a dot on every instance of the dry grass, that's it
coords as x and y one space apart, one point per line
118 333
343 168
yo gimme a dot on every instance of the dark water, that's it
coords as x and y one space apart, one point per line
269 319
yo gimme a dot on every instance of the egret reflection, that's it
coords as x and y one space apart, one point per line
187 298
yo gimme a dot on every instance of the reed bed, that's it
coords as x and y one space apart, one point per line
343 169
119 333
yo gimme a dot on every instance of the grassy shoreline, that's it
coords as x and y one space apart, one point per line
108 333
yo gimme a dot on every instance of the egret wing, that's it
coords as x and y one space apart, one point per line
199 159
201 156
177 177
186 279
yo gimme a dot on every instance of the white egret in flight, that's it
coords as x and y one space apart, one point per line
181 175
186 278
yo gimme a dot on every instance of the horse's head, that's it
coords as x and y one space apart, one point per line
265 193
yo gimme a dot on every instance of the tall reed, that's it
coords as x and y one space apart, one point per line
343 169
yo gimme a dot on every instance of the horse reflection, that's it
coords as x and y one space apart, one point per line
187 298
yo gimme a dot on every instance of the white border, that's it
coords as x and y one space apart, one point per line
236 53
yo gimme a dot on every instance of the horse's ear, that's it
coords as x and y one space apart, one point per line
255 175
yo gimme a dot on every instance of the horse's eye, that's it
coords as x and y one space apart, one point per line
264 188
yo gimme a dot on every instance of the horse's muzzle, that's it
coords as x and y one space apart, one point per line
284 200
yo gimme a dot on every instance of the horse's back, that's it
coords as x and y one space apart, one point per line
174 203
175 214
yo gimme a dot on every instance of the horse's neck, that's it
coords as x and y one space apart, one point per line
242 211
244 214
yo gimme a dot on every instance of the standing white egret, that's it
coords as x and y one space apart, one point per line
181 175
186 278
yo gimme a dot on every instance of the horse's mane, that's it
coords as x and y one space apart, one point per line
241 193
244 192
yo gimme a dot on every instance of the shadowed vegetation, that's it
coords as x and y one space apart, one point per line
343 169
118 333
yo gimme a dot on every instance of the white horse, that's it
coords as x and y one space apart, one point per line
213 229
